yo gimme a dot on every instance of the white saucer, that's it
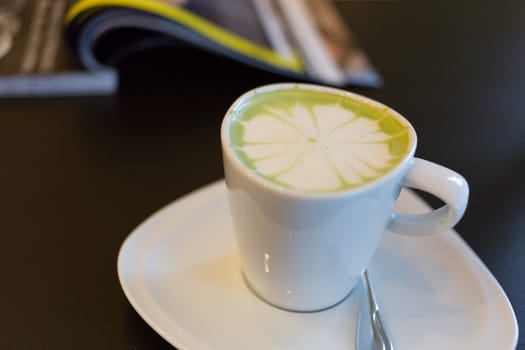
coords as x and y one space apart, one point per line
180 271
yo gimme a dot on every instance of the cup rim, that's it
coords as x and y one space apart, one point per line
276 188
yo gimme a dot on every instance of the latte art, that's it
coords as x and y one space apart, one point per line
316 141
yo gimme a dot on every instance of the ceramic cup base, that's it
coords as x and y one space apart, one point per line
289 305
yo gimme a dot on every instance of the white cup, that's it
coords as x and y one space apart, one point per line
305 251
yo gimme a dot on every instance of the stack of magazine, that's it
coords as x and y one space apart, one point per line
65 47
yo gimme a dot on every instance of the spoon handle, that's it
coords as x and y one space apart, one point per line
370 334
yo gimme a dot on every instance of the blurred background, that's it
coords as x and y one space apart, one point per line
79 173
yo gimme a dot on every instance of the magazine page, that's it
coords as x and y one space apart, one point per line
230 26
253 20
327 45
34 59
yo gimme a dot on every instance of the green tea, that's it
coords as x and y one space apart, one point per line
317 141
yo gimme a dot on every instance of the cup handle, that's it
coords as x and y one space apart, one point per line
443 183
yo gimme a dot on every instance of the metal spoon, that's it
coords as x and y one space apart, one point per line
370 333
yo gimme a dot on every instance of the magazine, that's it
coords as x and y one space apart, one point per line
299 39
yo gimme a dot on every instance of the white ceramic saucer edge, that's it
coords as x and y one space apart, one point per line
179 339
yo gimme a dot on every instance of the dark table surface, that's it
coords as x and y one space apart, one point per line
78 175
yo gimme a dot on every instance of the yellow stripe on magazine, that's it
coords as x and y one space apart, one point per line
196 23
